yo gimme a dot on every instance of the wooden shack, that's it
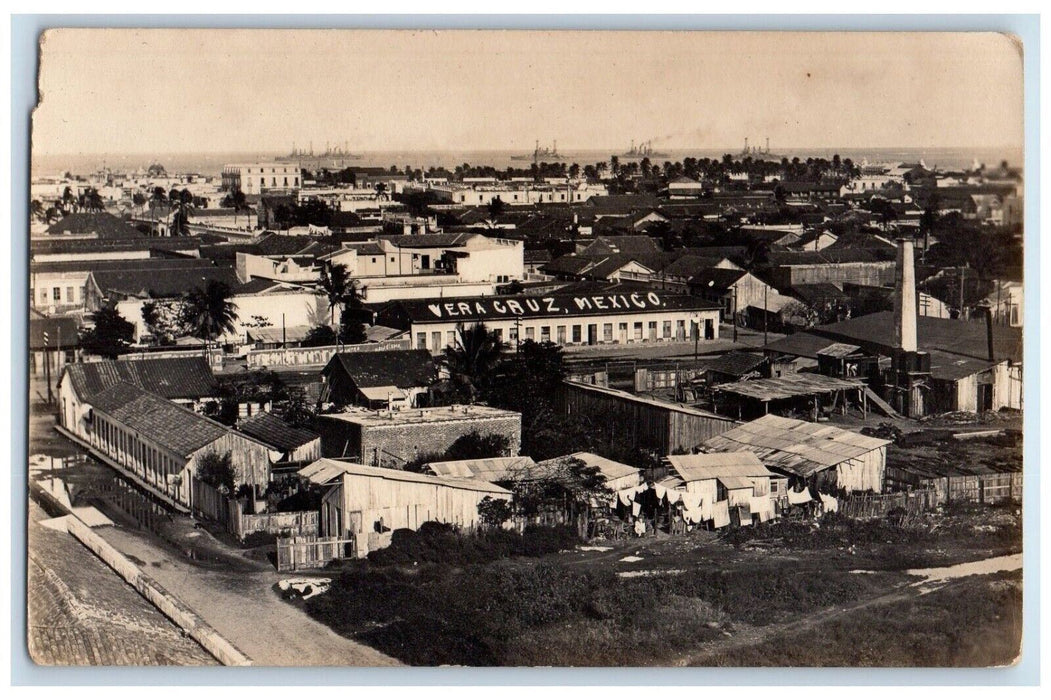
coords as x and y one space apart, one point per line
648 423
823 456
365 504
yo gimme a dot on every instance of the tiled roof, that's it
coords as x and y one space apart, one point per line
492 469
638 244
102 224
271 430
169 377
176 428
828 256
735 363
169 282
401 368
431 240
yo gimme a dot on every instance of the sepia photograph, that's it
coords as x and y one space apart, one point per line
525 348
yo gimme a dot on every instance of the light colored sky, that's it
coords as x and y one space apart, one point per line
166 91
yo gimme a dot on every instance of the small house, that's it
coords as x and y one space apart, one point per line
366 504
379 380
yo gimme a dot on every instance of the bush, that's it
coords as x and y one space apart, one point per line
217 470
439 543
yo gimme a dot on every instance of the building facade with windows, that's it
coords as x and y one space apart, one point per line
583 319
256 178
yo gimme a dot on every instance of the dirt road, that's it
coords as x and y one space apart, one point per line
929 580
244 608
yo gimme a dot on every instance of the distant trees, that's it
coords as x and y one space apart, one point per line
334 281
111 336
209 312
496 207
182 206
237 201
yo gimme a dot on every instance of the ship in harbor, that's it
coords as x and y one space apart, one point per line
762 153
643 150
542 153
333 153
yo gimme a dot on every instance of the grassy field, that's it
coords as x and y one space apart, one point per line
835 593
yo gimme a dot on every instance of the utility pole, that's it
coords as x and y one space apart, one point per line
959 276
47 368
766 309
735 314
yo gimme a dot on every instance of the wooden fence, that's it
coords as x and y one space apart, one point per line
229 512
878 505
298 553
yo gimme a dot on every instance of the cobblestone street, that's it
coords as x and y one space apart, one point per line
82 613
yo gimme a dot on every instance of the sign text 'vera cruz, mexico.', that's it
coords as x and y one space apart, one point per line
546 305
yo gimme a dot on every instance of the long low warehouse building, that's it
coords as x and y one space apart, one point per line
646 422
366 504
581 319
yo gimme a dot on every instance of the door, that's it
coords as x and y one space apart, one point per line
592 333
622 332
709 329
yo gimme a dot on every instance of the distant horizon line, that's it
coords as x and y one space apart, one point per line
732 150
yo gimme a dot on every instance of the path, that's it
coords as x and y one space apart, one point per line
931 580
244 608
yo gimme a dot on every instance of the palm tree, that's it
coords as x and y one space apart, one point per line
36 210
139 200
335 282
208 313
472 359
182 206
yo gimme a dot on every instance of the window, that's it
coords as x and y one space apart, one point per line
421 341
498 333
436 340
286 182
561 337
374 260
69 294
545 334
576 334
450 338
56 294
392 259
653 330
530 333
680 330
666 330
638 330
512 333
607 332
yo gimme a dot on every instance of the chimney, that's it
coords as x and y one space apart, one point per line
905 298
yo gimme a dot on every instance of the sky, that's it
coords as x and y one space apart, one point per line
125 91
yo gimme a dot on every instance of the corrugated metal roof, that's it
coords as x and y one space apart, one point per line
491 469
795 446
607 467
325 470
789 386
839 350
718 465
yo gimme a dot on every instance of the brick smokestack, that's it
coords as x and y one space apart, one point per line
905 298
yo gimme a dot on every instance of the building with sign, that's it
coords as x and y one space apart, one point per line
612 317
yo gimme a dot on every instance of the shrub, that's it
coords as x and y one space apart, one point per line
443 544
217 470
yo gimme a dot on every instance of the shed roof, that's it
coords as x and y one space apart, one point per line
789 386
718 465
492 469
795 446
271 430
839 350
735 363
324 471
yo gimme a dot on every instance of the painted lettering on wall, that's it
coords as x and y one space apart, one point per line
547 305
